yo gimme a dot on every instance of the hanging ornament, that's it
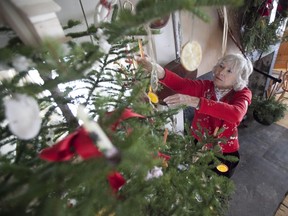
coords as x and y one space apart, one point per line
191 55
159 23
126 114
116 181
103 11
21 63
77 142
104 45
154 77
152 96
198 197
156 172
266 8
222 168
165 158
71 203
23 115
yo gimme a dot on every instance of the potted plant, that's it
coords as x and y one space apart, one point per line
260 28
267 110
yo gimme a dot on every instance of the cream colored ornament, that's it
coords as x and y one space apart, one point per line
191 55
23 115
104 11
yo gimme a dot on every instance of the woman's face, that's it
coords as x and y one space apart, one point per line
224 77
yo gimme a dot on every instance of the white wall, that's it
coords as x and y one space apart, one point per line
208 35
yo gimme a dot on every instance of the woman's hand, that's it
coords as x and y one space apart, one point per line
181 99
147 66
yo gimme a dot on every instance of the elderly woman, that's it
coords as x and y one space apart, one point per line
221 103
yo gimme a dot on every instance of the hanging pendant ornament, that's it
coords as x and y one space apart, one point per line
191 54
103 11
23 115
160 23
152 96
154 77
222 168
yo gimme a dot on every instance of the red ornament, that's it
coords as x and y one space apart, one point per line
265 10
78 142
164 156
116 181
159 23
126 114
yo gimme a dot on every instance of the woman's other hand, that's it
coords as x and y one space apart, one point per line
181 99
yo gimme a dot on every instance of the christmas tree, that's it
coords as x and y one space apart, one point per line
84 136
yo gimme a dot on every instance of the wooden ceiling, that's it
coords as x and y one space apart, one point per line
282 56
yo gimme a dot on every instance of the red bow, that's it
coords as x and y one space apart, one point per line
164 156
106 4
116 181
126 114
78 142
265 10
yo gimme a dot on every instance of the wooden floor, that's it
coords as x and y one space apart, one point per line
283 208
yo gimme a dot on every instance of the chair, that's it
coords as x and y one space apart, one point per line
274 87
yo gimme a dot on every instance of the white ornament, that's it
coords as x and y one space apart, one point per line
22 113
21 63
103 12
191 55
103 43
100 33
156 172
72 202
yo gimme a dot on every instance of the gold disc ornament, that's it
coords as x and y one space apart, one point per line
222 168
191 55
152 96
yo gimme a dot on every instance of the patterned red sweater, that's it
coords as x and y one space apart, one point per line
226 113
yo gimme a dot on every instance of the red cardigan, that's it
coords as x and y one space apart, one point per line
227 113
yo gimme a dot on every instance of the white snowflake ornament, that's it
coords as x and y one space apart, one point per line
103 43
23 115
156 172
21 63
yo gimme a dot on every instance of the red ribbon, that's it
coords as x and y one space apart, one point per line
265 10
78 142
164 156
116 181
126 114
106 4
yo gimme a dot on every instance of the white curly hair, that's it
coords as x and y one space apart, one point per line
240 65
